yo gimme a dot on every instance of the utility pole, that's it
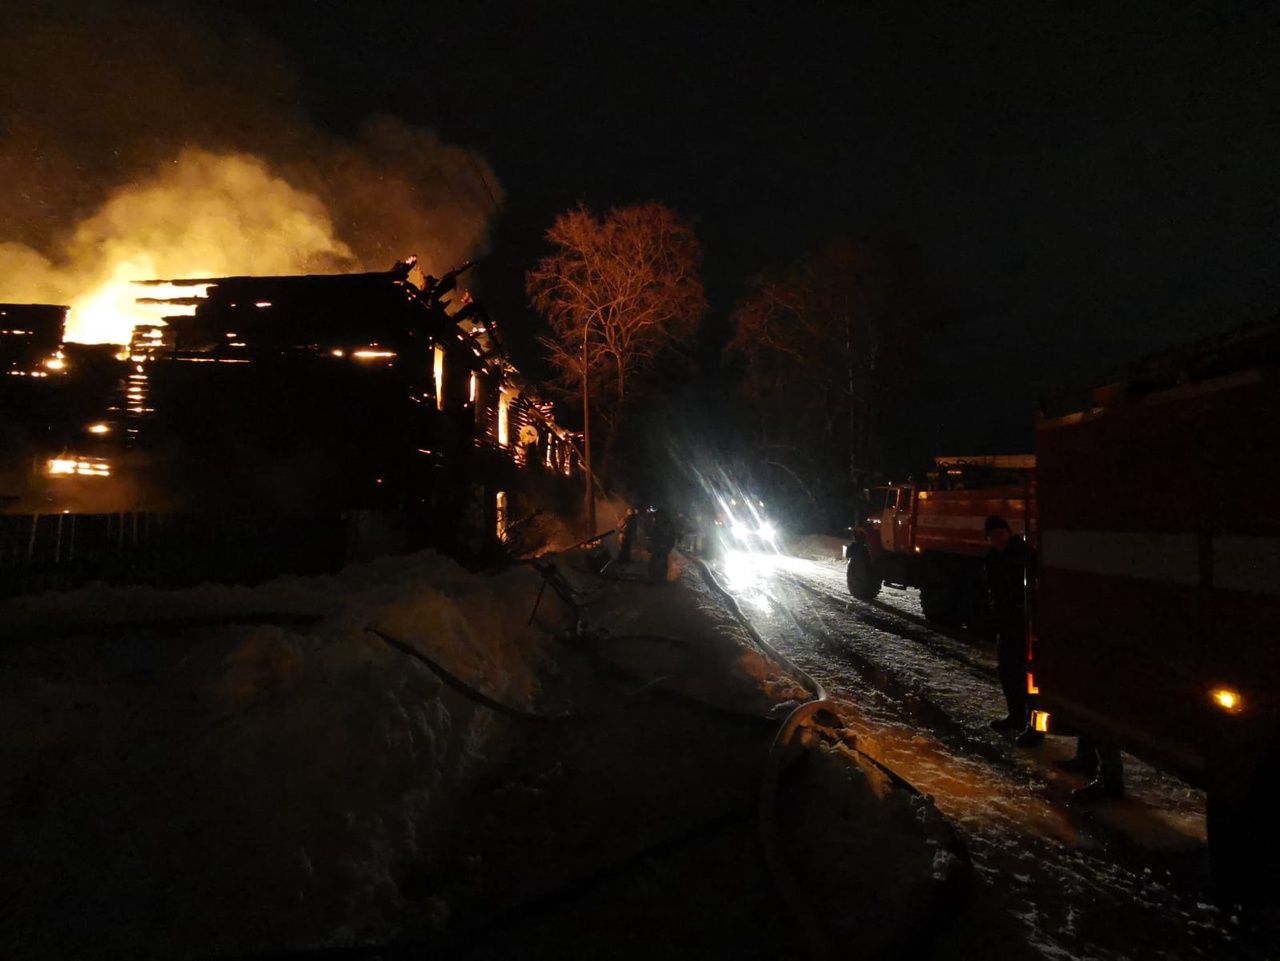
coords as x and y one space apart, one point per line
586 432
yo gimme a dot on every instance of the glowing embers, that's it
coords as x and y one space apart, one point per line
369 354
373 352
55 363
504 416
149 340
1227 699
72 466
437 371
502 514
136 390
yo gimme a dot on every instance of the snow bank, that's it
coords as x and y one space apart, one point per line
231 770
225 768
816 547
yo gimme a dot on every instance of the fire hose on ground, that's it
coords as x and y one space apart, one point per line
785 748
781 753
782 750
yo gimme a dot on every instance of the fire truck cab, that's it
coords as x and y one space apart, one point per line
929 534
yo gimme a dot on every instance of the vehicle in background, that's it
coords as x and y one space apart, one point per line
929 534
743 524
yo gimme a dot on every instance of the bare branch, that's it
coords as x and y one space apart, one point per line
622 288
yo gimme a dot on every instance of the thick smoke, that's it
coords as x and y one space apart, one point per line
142 140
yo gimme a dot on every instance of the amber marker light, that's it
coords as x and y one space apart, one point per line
1040 721
1227 699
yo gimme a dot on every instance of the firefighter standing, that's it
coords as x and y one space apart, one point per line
1101 763
627 535
662 540
1006 569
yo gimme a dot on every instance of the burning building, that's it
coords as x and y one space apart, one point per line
264 424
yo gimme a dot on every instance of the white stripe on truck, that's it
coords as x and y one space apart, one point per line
1237 563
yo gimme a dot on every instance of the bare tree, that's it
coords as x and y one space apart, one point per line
619 291
820 344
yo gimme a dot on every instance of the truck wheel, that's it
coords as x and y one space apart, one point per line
863 582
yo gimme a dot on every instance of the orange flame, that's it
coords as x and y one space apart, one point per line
200 215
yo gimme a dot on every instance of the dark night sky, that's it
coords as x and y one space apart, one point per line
1085 182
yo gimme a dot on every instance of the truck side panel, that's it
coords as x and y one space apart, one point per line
1113 654
1159 571
952 521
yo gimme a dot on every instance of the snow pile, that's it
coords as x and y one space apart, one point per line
351 759
219 769
816 547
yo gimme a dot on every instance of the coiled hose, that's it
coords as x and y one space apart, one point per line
783 750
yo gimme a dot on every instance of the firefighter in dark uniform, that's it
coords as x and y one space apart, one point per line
1006 566
627 535
1101 763
662 540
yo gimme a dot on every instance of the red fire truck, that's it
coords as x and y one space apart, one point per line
1156 622
929 534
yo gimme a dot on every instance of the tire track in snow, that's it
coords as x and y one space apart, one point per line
918 702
